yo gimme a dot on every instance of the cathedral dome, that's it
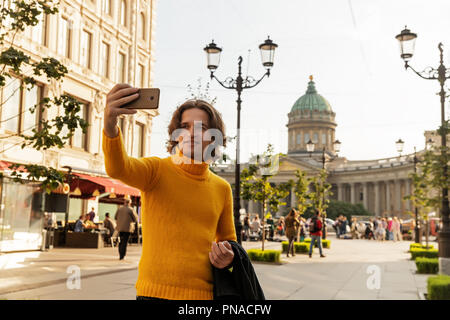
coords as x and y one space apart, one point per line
311 100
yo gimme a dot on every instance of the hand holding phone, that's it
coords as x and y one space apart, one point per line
148 99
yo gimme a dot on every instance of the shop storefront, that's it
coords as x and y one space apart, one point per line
21 216
27 215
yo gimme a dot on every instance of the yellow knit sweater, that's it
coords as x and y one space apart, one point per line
185 207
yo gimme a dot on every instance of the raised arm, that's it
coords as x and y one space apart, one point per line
139 173
225 227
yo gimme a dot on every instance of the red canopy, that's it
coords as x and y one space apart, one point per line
111 185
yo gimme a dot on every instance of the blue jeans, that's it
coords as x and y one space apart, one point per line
319 243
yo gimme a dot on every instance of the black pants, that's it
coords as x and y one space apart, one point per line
124 236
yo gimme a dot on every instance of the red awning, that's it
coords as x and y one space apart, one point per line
111 185
4 165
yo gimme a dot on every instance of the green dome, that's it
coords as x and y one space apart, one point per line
311 100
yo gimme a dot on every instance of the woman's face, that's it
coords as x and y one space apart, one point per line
192 142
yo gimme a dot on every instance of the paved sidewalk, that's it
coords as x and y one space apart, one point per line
345 272
36 269
341 275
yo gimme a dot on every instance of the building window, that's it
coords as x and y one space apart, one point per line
138 139
79 139
140 75
141 26
107 6
121 73
39 31
86 44
324 139
299 138
306 138
64 37
316 138
30 120
16 114
104 60
123 13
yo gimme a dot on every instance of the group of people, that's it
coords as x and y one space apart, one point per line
378 229
340 226
387 229
296 228
124 224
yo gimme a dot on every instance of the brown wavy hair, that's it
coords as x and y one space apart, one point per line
214 119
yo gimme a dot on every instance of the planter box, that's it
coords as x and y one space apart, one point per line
84 240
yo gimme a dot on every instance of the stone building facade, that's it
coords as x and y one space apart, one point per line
102 43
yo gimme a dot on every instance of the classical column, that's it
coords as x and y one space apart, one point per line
388 198
408 192
397 197
293 202
340 188
376 187
352 192
365 196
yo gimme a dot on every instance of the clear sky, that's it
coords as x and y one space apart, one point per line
349 47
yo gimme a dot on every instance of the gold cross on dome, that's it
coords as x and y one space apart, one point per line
311 77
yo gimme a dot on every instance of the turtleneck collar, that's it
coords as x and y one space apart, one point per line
195 169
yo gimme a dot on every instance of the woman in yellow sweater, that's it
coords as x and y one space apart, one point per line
187 210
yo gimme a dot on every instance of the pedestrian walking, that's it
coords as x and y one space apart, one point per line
337 226
302 229
109 225
344 224
380 231
126 219
281 227
397 234
315 230
384 225
292 225
187 212
354 229
246 227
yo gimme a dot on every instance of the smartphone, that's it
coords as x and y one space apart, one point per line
148 99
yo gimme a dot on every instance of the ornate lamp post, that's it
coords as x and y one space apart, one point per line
239 84
310 147
407 42
399 145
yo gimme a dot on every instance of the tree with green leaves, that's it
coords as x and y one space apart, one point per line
301 193
428 182
15 64
255 184
320 195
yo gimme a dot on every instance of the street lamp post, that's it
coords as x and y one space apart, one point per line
239 84
441 74
310 148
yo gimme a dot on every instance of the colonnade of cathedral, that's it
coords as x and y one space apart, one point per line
382 198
